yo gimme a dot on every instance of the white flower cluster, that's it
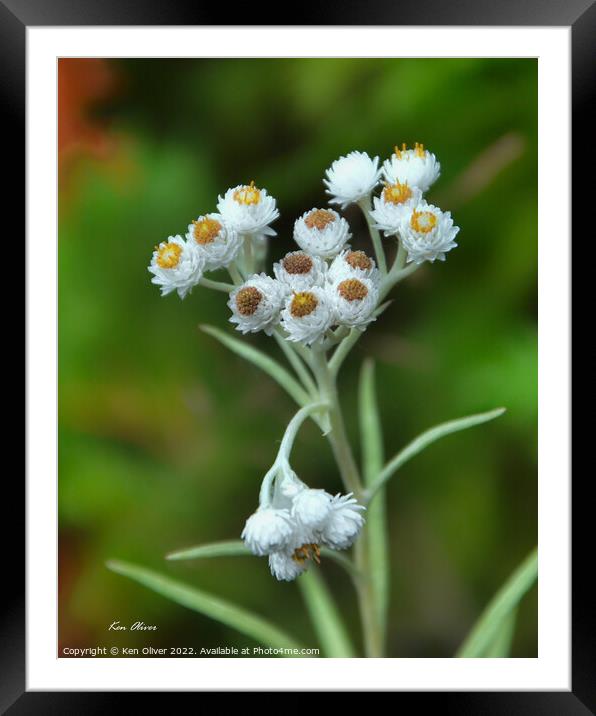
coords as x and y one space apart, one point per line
291 524
213 241
426 232
324 285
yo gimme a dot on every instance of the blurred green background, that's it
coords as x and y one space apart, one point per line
164 436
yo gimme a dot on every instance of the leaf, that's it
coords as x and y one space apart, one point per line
376 522
229 548
236 548
296 363
426 439
209 605
262 361
496 618
326 620
501 645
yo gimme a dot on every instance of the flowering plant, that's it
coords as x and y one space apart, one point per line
316 304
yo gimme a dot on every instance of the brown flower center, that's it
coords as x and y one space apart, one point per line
352 290
358 260
319 219
397 193
247 300
307 551
303 303
297 263
168 256
206 230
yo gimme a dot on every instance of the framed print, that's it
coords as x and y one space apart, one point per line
298 355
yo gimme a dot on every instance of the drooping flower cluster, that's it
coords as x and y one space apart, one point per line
293 521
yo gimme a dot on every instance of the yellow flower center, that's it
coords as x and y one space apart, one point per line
319 219
307 551
352 290
358 260
397 193
247 300
248 195
206 230
423 221
303 303
419 150
297 264
168 255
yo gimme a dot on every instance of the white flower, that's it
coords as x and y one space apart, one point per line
355 299
176 266
307 315
428 234
256 304
248 209
415 167
395 203
351 178
299 271
285 566
268 530
311 508
343 522
352 264
218 242
321 232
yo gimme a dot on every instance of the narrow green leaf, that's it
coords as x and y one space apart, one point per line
325 617
229 548
376 520
296 362
426 439
494 619
262 361
501 645
236 548
209 605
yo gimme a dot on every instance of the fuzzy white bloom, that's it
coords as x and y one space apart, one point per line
248 209
176 266
351 178
355 300
415 167
299 271
428 234
394 205
256 304
307 315
268 530
352 264
321 232
311 508
285 567
217 241
344 522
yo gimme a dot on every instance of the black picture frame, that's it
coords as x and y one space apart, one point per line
580 15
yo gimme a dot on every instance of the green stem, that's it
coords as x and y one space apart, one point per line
235 275
375 236
216 285
342 451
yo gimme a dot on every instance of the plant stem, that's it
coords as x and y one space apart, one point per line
375 236
342 451
217 285
235 274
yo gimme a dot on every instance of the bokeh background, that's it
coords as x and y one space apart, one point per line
164 435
